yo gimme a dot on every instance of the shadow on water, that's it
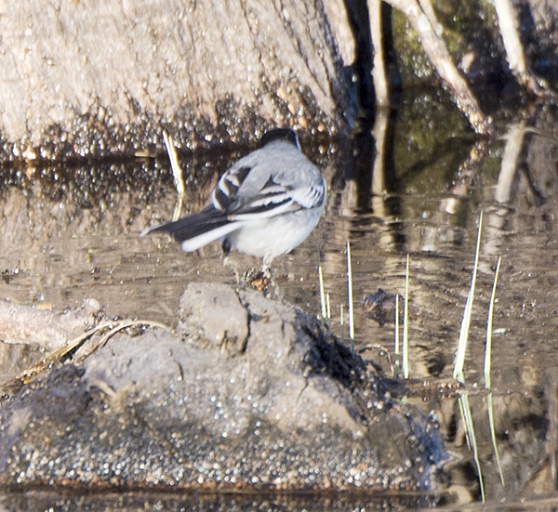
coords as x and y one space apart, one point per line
415 183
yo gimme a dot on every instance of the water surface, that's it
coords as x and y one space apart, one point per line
416 185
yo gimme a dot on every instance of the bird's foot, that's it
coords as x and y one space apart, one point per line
259 280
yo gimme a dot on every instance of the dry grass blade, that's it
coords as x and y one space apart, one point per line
397 341
323 300
490 408
488 353
342 323
123 324
467 417
488 369
177 173
350 292
466 322
405 362
46 362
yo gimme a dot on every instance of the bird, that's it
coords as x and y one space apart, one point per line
265 205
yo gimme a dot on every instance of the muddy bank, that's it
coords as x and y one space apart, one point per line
245 393
104 80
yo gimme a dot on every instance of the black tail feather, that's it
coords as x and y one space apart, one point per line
194 225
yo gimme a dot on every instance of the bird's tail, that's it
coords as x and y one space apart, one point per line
197 230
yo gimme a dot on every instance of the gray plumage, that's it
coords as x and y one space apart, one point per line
265 205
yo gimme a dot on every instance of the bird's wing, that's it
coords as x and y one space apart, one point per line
225 194
254 190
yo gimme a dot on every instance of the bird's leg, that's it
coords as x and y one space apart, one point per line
239 277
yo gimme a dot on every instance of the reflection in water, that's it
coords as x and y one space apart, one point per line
212 502
411 184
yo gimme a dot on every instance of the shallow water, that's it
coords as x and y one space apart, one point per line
70 236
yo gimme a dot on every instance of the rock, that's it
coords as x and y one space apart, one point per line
293 410
381 306
214 314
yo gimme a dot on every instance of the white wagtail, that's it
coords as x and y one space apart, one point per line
265 205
